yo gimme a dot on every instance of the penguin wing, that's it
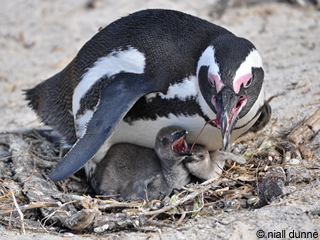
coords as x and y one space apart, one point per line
115 101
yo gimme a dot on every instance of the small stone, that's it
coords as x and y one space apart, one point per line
288 150
253 200
238 149
270 185
296 174
266 158
101 229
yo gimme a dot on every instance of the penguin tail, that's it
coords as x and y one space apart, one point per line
31 95
53 107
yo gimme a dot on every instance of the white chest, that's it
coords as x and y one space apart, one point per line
143 132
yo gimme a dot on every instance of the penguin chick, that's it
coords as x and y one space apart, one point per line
205 165
129 169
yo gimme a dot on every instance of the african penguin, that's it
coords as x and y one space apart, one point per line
148 70
129 169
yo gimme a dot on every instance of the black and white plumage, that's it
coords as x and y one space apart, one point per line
152 69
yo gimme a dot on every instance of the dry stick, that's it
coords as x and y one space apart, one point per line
208 184
19 211
192 211
31 175
181 218
104 207
296 198
10 216
7 195
54 212
33 205
43 157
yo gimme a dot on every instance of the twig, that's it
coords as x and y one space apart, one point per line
7 195
296 198
34 169
33 205
54 212
205 186
192 211
181 218
104 207
43 157
10 216
19 211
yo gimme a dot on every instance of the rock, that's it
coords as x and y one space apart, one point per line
266 158
270 185
296 172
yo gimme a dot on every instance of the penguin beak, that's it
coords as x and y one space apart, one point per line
190 159
179 144
228 106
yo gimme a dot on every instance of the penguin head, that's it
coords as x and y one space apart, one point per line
199 154
200 164
230 78
171 145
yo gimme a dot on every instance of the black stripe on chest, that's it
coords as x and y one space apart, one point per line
156 107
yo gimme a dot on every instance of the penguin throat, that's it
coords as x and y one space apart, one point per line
180 146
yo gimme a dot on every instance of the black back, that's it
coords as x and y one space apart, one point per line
172 42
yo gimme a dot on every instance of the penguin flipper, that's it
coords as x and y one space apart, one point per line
115 101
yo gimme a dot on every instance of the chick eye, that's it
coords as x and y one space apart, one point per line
164 141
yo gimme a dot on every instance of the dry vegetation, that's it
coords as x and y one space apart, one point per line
29 200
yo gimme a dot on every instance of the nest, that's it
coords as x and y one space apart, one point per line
29 200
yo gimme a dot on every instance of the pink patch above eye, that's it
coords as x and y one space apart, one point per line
245 80
215 81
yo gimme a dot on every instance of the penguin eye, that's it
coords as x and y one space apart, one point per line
248 83
215 82
244 81
211 83
164 141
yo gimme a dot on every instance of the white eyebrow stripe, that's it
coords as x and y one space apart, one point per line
207 58
252 60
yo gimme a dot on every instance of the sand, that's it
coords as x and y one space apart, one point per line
38 38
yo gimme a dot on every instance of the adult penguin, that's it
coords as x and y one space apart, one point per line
148 70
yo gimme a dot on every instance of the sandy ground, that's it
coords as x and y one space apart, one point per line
38 38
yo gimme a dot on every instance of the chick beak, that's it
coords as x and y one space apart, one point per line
179 144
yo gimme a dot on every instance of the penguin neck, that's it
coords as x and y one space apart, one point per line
175 173
202 169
